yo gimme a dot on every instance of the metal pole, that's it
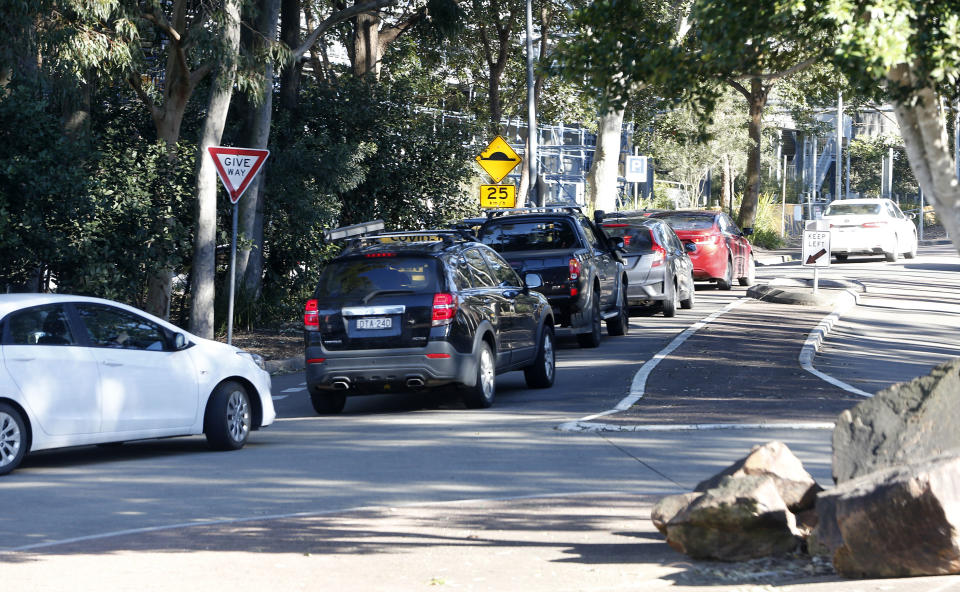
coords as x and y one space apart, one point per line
813 178
956 142
531 111
846 191
890 175
839 157
783 209
816 279
233 267
921 213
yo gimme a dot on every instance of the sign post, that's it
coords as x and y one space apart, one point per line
236 168
816 249
498 159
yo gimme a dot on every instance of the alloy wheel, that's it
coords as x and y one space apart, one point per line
238 416
10 439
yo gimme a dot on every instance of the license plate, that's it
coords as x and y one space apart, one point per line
375 323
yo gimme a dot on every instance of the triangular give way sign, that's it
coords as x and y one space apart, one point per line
237 167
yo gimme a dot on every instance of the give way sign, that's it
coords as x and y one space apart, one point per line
237 167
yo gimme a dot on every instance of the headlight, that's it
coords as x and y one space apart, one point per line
255 358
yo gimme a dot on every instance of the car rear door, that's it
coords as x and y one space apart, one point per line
497 308
606 265
57 376
521 325
378 302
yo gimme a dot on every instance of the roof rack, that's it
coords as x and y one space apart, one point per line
345 232
446 236
539 210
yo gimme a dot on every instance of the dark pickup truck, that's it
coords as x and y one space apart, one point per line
582 272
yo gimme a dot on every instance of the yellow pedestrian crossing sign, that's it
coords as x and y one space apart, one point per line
498 159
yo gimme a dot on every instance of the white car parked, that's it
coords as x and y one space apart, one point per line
870 227
77 370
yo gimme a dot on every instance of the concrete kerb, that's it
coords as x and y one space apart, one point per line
800 291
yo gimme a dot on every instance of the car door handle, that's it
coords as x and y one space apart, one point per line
23 359
112 363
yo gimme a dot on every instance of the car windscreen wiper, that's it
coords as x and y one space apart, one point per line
370 296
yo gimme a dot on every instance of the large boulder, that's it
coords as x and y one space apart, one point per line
896 522
796 486
668 507
907 422
741 518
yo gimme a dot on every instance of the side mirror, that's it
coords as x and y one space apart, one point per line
533 281
180 341
690 247
747 231
598 216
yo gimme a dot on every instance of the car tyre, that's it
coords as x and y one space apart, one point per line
541 373
912 253
894 253
228 420
481 394
13 438
620 324
328 403
751 277
726 282
670 298
687 303
592 339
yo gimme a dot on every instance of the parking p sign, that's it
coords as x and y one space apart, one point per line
636 171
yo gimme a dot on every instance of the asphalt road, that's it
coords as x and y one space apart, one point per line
403 452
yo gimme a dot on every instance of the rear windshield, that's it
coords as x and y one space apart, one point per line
529 235
685 221
635 238
368 277
835 209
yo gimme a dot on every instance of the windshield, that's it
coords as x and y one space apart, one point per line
635 238
529 235
367 277
685 221
841 209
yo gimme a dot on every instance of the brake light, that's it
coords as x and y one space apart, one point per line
379 255
438 356
444 309
614 225
311 317
574 266
659 253
709 239
316 360
876 224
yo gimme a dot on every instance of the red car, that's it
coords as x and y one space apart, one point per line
723 252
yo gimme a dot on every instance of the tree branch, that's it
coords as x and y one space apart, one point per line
390 34
133 79
739 87
337 18
791 70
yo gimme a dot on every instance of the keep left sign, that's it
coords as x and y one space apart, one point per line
237 167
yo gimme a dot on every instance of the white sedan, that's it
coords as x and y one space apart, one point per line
870 227
77 370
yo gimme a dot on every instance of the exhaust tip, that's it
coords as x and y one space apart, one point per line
340 385
415 382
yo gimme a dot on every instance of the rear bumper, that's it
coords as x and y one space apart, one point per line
861 241
377 370
639 295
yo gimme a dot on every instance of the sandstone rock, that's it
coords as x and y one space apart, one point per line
668 507
896 522
796 486
907 422
826 538
742 518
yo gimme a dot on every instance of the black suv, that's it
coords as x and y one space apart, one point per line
407 311
581 269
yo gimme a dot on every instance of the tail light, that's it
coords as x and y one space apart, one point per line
444 309
707 239
574 269
659 253
877 224
311 318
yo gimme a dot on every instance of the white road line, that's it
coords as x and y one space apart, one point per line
815 340
584 426
639 384
278 397
296 389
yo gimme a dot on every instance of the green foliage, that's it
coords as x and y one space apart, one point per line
350 153
866 166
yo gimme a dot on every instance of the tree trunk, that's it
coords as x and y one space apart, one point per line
925 138
757 100
366 45
602 178
205 238
250 261
290 35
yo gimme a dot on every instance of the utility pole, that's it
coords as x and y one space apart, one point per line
839 158
535 198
